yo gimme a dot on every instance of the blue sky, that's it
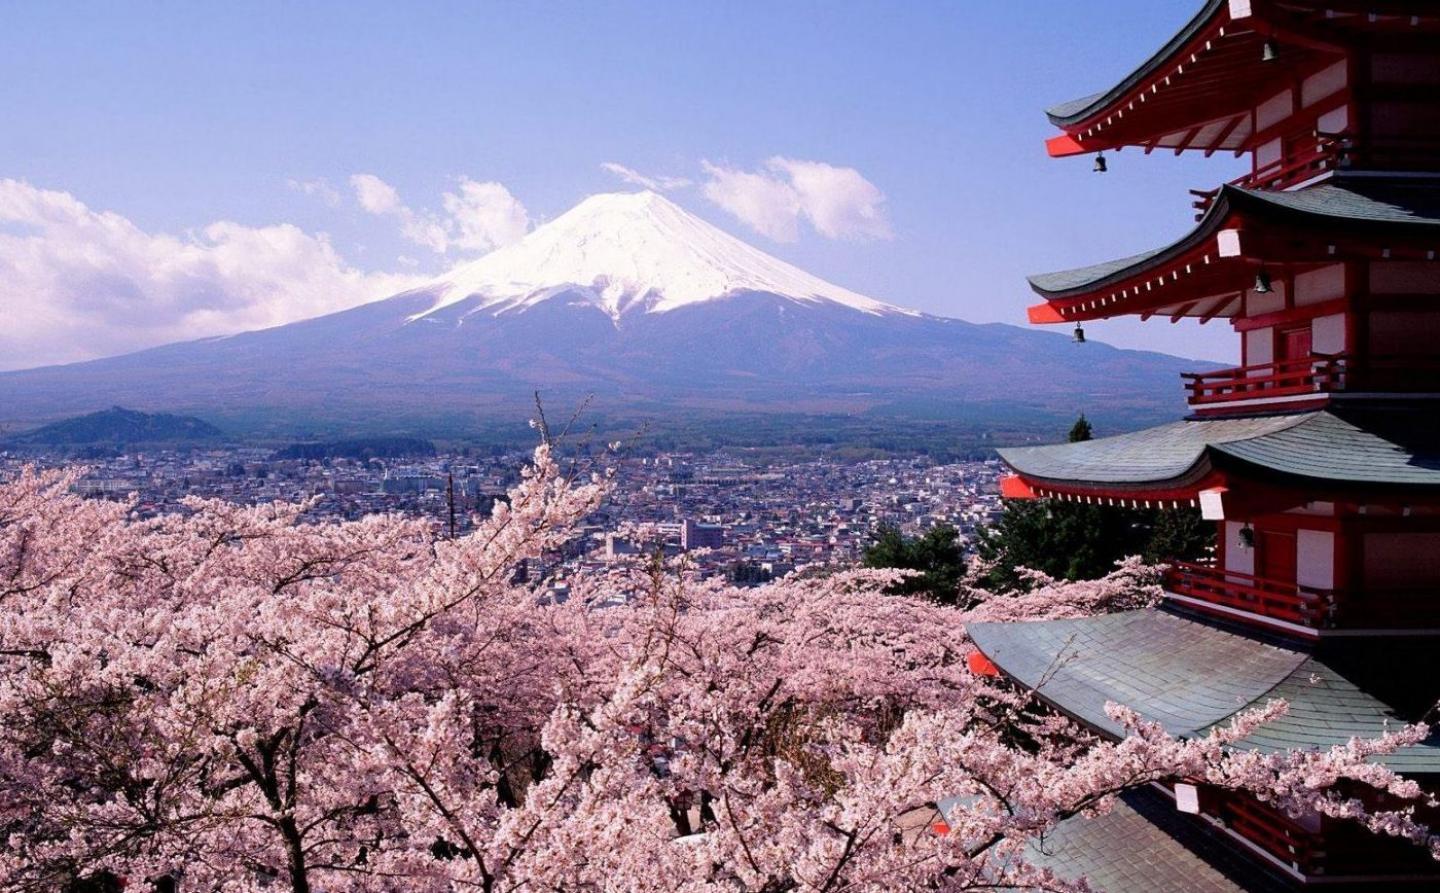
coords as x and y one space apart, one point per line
177 116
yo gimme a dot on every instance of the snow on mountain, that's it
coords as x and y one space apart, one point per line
629 252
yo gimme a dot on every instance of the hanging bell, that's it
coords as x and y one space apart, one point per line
1079 336
1269 52
1100 166
1262 282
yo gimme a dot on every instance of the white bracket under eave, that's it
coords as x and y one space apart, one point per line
1212 504
1227 242
1241 9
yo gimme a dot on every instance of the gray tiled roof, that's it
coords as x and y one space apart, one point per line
1327 709
1190 676
1397 445
1065 280
1393 445
1079 109
1356 199
1349 200
1182 674
1143 845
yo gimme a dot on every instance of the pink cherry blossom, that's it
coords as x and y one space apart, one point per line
238 698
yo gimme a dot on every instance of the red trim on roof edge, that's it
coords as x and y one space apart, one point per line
1043 314
1064 146
1012 487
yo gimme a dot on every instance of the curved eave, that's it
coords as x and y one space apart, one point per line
1407 212
1199 90
1077 112
1065 290
1367 451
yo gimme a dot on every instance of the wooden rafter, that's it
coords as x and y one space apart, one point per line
1225 132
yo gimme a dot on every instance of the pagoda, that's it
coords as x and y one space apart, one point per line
1317 458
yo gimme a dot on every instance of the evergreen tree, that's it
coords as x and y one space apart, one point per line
1081 430
937 555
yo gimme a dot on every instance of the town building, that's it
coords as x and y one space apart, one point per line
1318 458
697 535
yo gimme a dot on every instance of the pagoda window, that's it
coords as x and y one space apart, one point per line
1324 83
1238 556
1320 285
1327 334
1315 559
1337 120
1274 110
1259 347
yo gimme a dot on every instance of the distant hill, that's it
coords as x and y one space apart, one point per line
118 425
361 448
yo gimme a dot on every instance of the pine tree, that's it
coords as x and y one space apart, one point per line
937 554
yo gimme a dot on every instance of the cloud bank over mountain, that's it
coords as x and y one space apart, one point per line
783 193
77 283
478 216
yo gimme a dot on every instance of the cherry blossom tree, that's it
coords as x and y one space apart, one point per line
240 698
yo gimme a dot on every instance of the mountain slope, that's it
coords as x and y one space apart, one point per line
635 300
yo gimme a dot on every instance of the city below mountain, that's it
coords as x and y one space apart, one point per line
664 318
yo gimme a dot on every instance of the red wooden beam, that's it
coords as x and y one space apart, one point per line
1181 313
1220 304
1187 139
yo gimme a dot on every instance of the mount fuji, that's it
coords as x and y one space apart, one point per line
630 298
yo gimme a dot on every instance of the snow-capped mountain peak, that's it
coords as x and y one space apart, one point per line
629 252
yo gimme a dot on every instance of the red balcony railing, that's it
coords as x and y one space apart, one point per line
1315 374
1308 375
1309 156
1312 608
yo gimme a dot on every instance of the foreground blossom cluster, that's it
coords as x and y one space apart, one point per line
234 698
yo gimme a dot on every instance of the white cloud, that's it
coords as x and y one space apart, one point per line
375 195
76 283
635 178
838 202
319 188
478 218
485 216
767 205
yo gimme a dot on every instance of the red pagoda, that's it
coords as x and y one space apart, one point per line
1318 458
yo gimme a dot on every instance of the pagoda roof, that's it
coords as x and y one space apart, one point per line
1191 677
1198 90
1343 207
1377 445
1075 111
1145 845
